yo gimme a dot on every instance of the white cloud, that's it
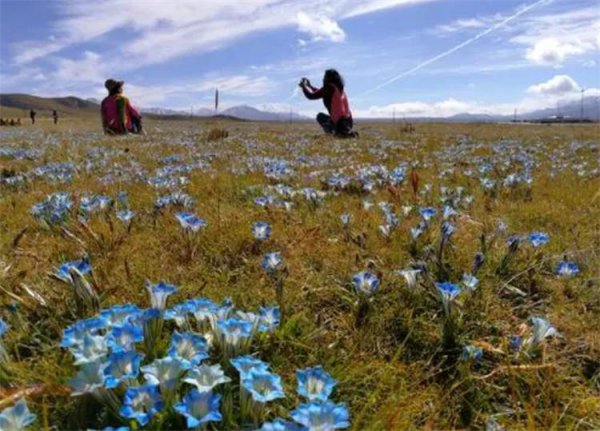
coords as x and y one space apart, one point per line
551 51
560 84
320 27
462 24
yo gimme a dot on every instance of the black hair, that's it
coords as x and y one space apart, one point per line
332 76
115 90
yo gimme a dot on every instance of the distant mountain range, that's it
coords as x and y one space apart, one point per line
20 104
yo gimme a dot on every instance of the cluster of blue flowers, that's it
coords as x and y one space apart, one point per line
124 363
54 210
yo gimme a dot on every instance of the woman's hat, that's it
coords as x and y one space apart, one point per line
112 85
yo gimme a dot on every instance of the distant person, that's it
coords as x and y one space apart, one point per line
118 116
55 116
339 121
32 115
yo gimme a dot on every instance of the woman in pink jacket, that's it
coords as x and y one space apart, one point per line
339 121
118 116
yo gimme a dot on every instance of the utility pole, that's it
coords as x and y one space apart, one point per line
291 115
515 116
394 116
581 113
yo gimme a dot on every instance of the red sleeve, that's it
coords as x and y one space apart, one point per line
339 106
312 94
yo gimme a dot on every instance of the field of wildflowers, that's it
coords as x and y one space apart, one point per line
446 278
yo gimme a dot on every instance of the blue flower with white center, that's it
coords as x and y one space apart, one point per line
17 417
190 222
3 327
179 313
123 338
472 353
345 219
538 238
121 366
268 318
74 334
64 271
417 231
516 343
542 329
447 229
449 212
322 415
142 403
115 429
263 201
189 348
159 293
315 383
199 408
261 230
427 213
235 331
281 425
264 386
88 379
271 262
567 269
206 377
470 281
203 309
365 283
448 291
92 348
246 364
125 216
119 314
163 372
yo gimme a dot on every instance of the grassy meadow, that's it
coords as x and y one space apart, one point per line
403 355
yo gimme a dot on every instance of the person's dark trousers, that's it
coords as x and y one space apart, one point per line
325 122
136 125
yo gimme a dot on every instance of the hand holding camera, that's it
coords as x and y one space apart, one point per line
304 82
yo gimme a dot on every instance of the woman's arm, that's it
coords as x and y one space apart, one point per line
311 92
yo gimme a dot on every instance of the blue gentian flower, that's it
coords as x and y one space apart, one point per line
92 348
122 338
315 383
271 262
88 379
538 238
427 213
542 329
190 221
567 269
206 377
472 353
268 318
410 275
448 291
470 281
125 216
448 212
17 417
246 364
234 331
119 314
82 265
417 231
322 415
163 372
121 366
203 309
264 386
365 283
516 343
261 230
199 408
189 348
3 327
159 293
447 229
142 403
281 425
74 334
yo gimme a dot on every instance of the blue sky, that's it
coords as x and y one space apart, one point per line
418 57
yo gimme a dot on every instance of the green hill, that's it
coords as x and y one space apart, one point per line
13 105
